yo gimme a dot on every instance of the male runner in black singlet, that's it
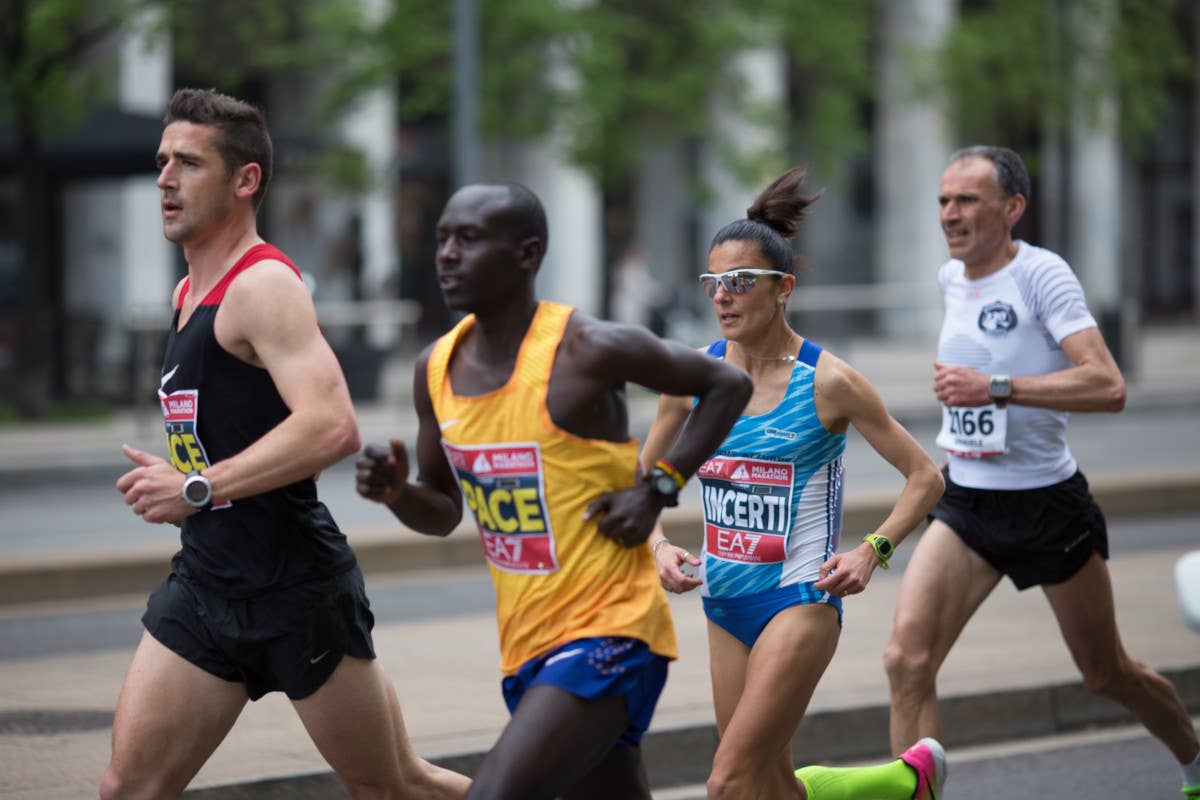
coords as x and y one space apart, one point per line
265 594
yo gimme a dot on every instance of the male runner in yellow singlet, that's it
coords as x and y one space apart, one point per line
522 414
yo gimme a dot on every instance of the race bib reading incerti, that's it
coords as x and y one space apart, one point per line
504 488
747 508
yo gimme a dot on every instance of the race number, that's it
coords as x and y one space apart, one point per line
504 488
979 432
181 410
747 508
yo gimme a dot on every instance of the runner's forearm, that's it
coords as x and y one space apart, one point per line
426 510
921 491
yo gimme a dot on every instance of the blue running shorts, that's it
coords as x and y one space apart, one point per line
745 616
598 667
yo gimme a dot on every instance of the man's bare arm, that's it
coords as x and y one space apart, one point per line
267 318
1094 383
631 354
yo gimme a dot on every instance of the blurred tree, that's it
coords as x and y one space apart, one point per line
56 64
1012 67
610 75
44 47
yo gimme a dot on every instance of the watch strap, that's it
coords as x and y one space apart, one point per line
662 486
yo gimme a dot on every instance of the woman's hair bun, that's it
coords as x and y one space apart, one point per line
783 204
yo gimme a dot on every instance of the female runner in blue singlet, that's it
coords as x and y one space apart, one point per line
771 575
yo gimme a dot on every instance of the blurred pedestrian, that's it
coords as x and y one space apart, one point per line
522 410
265 594
635 291
772 577
1018 351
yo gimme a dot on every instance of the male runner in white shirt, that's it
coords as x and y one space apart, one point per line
1018 351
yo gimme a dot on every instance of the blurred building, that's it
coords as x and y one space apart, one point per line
1126 220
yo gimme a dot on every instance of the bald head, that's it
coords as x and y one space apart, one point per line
510 206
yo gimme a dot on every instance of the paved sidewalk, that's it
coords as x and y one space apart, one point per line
1008 677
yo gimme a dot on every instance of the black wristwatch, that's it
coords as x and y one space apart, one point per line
664 486
197 490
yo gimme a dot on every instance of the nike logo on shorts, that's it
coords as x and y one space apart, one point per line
318 658
1077 541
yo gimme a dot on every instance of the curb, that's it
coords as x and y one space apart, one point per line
681 756
71 576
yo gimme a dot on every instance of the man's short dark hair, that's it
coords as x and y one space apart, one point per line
1010 169
242 136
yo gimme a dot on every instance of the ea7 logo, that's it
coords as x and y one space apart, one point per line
738 542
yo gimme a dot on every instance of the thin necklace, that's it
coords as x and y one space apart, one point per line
766 358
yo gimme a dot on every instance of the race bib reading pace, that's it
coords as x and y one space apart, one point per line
978 432
504 489
179 414
747 508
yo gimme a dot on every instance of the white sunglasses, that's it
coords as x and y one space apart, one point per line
735 281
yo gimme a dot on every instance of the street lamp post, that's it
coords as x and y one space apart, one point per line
466 92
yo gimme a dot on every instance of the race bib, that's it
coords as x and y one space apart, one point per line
504 488
747 508
179 415
180 411
979 432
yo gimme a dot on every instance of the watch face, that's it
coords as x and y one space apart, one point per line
885 547
665 484
196 491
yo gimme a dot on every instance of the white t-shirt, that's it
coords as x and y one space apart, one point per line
1011 322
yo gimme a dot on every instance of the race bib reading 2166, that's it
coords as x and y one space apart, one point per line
747 508
503 487
979 432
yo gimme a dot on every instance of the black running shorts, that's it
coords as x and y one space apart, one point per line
1034 536
290 640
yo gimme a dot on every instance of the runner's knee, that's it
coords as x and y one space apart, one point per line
908 666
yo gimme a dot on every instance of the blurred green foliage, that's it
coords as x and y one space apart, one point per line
49 61
609 76
606 76
1030 65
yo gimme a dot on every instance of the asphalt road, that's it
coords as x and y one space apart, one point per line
1122 763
